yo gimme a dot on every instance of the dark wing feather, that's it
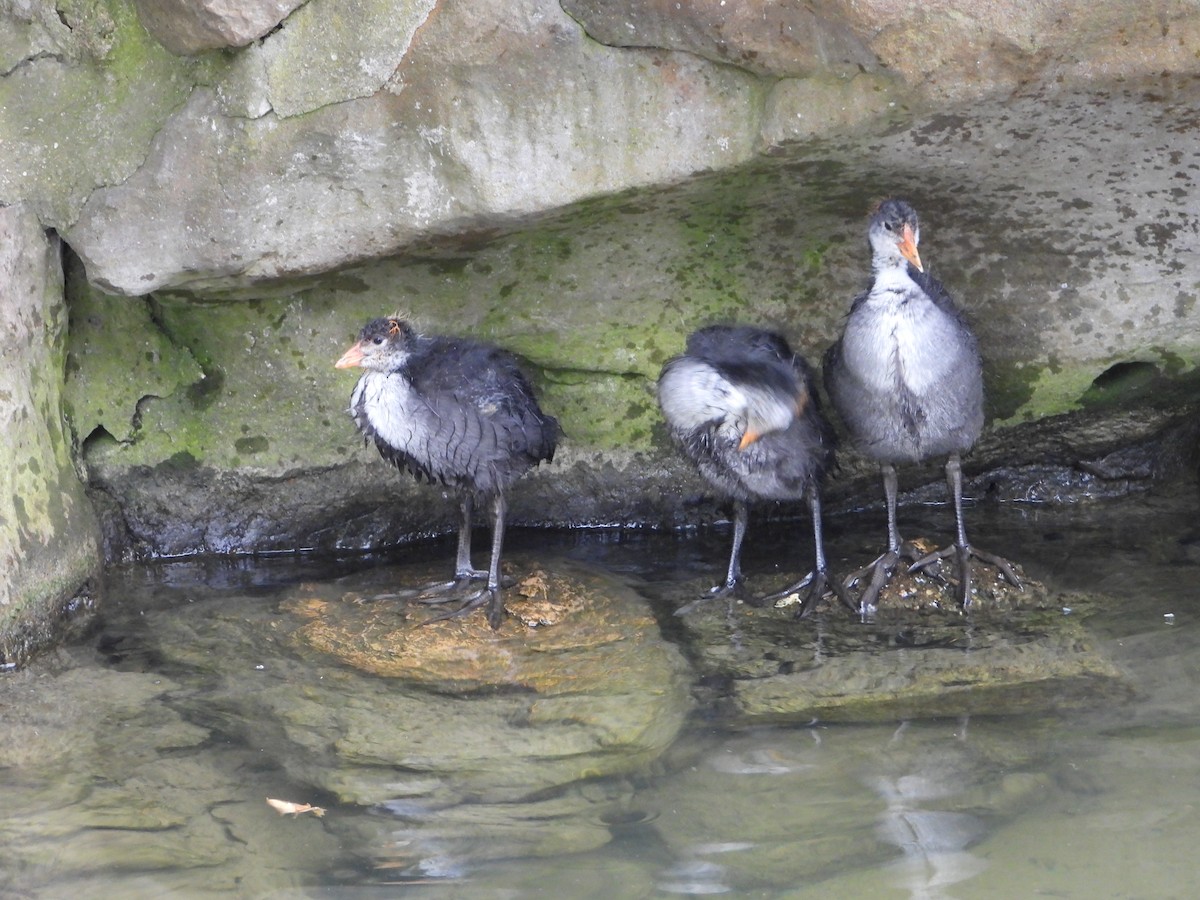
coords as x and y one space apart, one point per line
490 426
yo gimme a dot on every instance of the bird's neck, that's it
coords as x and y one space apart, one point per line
892 277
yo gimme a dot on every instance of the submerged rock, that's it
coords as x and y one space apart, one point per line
918 656
466 741
466 711
930 791
111 792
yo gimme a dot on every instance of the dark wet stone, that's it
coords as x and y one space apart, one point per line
918 656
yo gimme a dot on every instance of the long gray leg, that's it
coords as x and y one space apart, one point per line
741 519
817 581
733 575
492 594
496 605
962 549
884 566
462 561
464 572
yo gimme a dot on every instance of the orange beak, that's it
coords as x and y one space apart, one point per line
908 248
801 401
747 439
352 357
751 435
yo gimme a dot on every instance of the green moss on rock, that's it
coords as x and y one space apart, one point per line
117 356
69 128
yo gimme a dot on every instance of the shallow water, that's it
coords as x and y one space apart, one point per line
136 762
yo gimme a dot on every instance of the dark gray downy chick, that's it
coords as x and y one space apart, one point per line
741 404
906 377
456 412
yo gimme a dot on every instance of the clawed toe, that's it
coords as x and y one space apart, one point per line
963 556
1005 567
488 595
459 588
818 584
717 592
880 572
445 591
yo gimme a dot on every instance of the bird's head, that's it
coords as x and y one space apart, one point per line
382 345
894 233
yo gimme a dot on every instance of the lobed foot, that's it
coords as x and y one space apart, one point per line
716 592
489 595
819 584
459 588
881 571
963 556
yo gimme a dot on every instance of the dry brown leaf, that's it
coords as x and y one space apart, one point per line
288 808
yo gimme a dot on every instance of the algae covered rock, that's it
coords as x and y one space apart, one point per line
473 741
49 534
577 683
918 656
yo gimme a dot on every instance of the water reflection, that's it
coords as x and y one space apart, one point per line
934 842
137 762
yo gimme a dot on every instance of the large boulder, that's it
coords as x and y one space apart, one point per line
293 141
330 143
192 26
950 49
49 534
241 185
1076 259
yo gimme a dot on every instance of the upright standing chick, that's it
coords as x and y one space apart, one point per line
454 411
740 403
907 379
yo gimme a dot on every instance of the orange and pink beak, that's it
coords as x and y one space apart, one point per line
907 245
352 357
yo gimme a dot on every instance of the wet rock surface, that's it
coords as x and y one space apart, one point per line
140 760
468 741
102 763
1015 651
589 689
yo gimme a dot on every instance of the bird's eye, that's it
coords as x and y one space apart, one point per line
378 341
887 225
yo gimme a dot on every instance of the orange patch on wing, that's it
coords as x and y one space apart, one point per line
801 401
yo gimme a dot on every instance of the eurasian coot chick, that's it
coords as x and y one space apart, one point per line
741 404
453 411
907 379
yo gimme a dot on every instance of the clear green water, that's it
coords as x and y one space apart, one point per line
125 775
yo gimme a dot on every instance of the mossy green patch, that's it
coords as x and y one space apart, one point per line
260 389
1009 387
1026 392
117 356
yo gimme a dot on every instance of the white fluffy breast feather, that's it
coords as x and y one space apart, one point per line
387 401
914 338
